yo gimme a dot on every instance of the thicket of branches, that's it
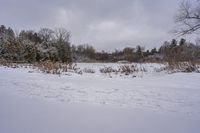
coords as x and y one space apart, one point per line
54 45
171 51
30 46
188 17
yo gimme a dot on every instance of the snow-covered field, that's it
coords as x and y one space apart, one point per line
94 102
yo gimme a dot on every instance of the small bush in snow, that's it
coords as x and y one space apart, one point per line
126 69
183 67
51 67
123 69
7 63
189 67
129 69
108 70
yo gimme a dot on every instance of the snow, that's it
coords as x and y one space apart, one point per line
151 102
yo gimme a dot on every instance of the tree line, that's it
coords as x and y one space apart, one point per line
170 51
29 46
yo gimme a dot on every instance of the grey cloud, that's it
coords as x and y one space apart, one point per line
106 24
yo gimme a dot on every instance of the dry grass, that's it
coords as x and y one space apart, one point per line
7 63
51 67
123 69
183 67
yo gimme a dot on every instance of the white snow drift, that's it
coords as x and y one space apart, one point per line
97 96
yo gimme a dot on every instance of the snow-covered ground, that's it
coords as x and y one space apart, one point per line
152 101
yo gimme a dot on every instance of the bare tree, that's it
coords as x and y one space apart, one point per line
62 39
62 35
128 53
46 34
188 18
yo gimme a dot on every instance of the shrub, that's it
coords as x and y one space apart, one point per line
183 67
126 69
8 63
108 70
51 67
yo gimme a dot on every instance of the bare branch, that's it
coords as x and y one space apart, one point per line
188 18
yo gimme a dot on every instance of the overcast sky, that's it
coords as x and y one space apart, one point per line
105 24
